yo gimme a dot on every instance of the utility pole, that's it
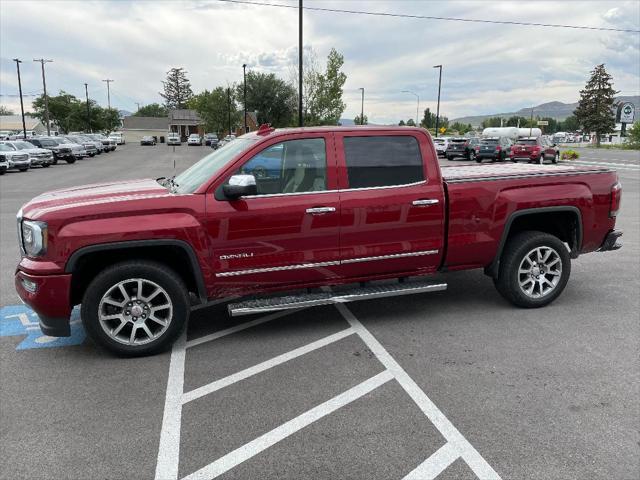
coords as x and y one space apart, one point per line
229 95
300 120
108 92
137 105
24 127
417 105
46 99
438 107
531 122
362 107
86 92
244 76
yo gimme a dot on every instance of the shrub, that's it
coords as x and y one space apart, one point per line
569 155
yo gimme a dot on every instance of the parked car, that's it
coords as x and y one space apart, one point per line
208 137
78 150
328 218
14 158
88 145
495 149
534 149
148 140
4 164
118 137
194 139
107 144
5 134
39 156
88 138
441 144
173 139
462 147
59 152
214 142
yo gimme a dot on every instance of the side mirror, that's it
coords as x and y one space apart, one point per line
239 186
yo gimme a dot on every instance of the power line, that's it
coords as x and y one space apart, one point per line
430 17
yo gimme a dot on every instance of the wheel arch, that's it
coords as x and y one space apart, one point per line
552 220
87 261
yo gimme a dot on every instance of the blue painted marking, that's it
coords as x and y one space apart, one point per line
21 320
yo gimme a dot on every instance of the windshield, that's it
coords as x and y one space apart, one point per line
193 177
490 141
5 148
527 141
23 145
48 143
63 140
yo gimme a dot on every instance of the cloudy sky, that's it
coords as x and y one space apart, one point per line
488 68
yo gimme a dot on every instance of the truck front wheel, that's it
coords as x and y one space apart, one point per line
534 269
135 308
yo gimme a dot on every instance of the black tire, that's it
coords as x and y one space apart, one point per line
23 169
478 160
55 161
516 249
92 155
3 171
71 160
556 157
46 165
154 272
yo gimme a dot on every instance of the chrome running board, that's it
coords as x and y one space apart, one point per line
306 300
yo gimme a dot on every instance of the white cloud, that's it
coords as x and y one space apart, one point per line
488 68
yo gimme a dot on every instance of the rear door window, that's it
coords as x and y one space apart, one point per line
382 161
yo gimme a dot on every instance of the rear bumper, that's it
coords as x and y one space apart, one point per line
612 241
491 155
50 300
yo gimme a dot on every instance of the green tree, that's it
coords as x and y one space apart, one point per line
358 121
177 89
492 122
152 110
634 135
5 111
323 92
401 123
429 120
595 107
213 107
569 124
411 123
61 107
110 119
272 98
461 128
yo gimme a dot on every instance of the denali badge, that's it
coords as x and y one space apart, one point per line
236 255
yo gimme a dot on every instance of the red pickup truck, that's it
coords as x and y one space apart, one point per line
297 209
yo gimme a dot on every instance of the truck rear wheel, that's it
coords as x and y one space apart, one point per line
135 308
71 160
534 269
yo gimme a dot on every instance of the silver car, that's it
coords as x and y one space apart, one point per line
39 156
15 159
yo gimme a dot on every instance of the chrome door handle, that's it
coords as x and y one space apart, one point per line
428 201
320 210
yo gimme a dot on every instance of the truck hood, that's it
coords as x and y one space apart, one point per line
92 195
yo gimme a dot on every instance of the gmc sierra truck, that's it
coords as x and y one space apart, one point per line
336 206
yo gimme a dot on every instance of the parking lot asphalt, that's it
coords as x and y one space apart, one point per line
456 383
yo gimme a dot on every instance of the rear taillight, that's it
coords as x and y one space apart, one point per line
616 197
477 149
498 148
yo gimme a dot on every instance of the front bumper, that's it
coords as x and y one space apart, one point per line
19 164
50 300
611 241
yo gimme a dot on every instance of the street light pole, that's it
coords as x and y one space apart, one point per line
244 75
438 107
46 99
362 107
108 92
418 104
86 92
24 127
531 123
300 119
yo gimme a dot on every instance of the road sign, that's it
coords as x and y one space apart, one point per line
626 112
543 123
442 129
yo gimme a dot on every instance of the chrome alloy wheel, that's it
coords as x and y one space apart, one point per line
135 311
540 272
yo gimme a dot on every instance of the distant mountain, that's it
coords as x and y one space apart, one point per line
557 110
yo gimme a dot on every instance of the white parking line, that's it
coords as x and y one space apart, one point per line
265 441
261 367
169 449
435 464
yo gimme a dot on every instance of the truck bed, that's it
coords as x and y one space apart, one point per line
509 171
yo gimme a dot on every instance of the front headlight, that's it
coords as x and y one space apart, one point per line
34 238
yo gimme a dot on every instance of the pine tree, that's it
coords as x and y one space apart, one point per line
595 108
177 89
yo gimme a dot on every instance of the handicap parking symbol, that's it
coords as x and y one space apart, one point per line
18 320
